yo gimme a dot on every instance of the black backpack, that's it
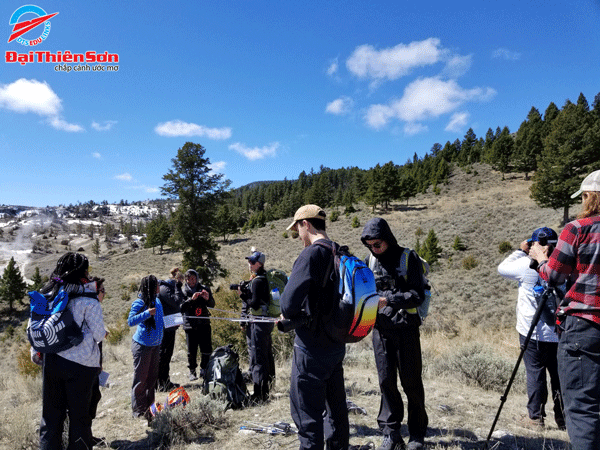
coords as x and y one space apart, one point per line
224 379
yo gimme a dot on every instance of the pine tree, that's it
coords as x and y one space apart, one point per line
430 251
528 143
158 233
199 192
12 285
96 248
569 151
37 279
502 150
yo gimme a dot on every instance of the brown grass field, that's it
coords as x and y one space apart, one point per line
469 342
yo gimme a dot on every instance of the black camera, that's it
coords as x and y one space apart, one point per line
543 239
242 286
385 283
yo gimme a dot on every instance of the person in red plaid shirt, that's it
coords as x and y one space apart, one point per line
576 260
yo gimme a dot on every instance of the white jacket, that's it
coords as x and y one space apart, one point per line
516 267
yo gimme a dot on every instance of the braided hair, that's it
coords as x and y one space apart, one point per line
147 292
70 272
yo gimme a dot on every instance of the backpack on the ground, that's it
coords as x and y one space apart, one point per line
51 327
224 378
353 317
423 308
277 280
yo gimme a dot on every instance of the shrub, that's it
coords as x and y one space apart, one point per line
116 334
469 262
24 365
335 215
480 367
504 247
437 190
349 210
355 222
419 232
185 425
295 234
285 234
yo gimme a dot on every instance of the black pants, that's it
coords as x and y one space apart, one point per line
67 387
539 357
318 400
195 338
260 352
166 353
399 352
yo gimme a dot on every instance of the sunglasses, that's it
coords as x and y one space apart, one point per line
376 245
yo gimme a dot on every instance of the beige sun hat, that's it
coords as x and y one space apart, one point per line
590 183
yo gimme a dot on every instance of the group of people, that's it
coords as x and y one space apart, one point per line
567 345
317 394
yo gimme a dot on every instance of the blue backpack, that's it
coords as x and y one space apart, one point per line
51 327
353 316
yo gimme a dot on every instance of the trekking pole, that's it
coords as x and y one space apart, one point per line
534 322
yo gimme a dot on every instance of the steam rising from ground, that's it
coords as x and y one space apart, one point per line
20 246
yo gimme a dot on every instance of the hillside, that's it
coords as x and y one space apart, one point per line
471 317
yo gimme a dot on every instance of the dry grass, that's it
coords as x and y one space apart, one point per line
469 307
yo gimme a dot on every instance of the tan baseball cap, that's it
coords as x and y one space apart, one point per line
591 183
308 212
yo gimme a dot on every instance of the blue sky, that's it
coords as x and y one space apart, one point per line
273 88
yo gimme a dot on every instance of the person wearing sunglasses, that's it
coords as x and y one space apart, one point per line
396 339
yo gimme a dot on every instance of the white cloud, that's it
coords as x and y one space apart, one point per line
395 62
217 166
333 68
175 128
457 122
97 155
60 124
457 66
255 153
124 177
105 126
34 96
423 99
412 128
340 106
504 53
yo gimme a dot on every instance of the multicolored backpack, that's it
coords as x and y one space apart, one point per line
353 317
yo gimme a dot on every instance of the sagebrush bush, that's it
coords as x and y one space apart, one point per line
334 215
186 424
284 234
469 262
355 222
504 247
477 365
24 365
117 333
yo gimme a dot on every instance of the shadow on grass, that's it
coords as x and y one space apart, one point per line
468 440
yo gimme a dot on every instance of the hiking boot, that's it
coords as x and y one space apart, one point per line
416 445
391 442
193 376
533 424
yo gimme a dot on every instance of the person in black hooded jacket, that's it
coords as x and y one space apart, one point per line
197 299
396 339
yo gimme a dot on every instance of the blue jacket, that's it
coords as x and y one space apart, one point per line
145 335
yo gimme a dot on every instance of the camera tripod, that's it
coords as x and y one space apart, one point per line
536 318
